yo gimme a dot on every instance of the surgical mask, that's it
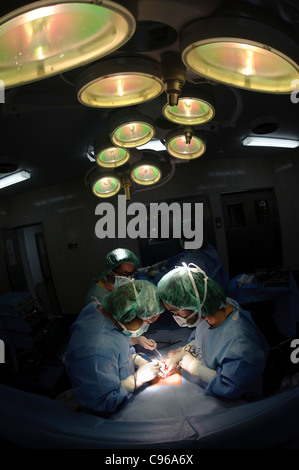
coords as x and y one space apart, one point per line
183 321
120 280
133 334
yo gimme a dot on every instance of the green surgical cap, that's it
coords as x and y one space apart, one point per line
176 289
118 256
124 306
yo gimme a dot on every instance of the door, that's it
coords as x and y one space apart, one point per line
14 263
153 250
252 230
28 265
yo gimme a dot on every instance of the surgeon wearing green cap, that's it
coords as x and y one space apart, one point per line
226 352
103 367
120 265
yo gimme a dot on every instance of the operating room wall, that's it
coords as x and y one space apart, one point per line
67 214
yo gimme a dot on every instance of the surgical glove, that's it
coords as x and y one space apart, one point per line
147 372
139 360
189 363
193 365
174 358
146 343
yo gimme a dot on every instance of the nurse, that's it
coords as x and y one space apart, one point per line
103 367
120 265
227 352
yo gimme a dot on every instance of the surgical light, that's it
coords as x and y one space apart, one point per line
145 174
108 155
185 144
189 111
254 55
119 81
270 142
14 178
105 185
47 37
129 132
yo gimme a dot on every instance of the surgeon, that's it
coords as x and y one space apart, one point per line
120 265
103 367
226 352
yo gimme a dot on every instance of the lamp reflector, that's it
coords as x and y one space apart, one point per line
256 55
244 65
178 146
146 174
112 157
106 186
120 90
189 111
47 37
132 134
119 81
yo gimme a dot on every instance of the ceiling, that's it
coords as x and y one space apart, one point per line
46 131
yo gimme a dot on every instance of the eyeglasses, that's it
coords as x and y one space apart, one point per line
125 273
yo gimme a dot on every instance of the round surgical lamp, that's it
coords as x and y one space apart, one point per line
108 155
146 173
254 55
185 144
192 109
132 131
48 37
105 184
119 81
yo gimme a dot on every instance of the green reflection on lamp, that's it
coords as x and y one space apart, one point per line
255 55
106 186
189 111
132 134
112 157
146 174
185 144
48 37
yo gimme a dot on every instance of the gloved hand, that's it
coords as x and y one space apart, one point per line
193 365
174 358
147 372
146 343
189 363
139 360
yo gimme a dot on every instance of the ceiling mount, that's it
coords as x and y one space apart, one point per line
174 76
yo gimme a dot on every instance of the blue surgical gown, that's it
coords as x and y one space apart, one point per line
95 290
98 357
238 351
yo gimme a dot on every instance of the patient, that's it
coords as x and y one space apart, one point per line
100 360
227 353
